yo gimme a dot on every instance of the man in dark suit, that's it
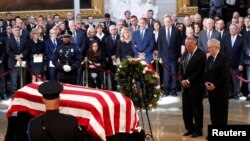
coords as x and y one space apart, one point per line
110 52
232 46
216 8
247 59
52 125
143 42
151 20
50 45
207 34
221 29
31 24
3 95
127 15
107 23
70 17
169 48
23 32
17 54
216 78
191 74
7 22
90 22
78 38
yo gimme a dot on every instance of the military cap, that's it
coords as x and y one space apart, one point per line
66 33
50 89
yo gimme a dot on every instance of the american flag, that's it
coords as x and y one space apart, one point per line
103 112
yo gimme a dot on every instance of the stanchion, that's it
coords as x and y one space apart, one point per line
21 73
86 71
157 68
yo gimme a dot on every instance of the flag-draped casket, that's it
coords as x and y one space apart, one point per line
104 113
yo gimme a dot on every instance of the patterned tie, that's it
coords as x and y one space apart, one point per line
54 42
208 35
18 42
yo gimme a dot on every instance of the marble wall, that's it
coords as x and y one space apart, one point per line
164 7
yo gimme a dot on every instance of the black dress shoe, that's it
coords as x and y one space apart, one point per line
248 98
196 135
236 97
174 94
188 133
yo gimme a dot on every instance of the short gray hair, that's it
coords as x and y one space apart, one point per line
214 42
192 38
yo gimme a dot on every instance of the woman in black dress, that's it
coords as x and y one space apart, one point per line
124 47
36 59
97 59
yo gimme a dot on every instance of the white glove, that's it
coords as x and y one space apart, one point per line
66 68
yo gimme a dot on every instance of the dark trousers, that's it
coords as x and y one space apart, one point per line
234 83
192 109
218 110
14 76
52 73
169 82
2 82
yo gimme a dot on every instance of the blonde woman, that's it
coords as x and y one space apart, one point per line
124 47
36 49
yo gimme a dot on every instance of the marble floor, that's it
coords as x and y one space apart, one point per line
166 120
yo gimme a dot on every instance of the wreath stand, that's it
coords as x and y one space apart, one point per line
147 136
142 101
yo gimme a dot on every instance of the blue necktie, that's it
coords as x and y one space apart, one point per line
18 42
142 35
168 36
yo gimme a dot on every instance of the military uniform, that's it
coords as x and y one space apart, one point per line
53 126
69 55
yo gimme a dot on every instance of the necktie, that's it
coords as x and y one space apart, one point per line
211 63
74 37
54 42
113 37
18 42
208 35
232 40
168 36
141 35
189 57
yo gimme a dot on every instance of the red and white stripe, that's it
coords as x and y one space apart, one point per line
103 112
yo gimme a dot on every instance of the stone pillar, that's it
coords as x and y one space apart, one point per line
76 7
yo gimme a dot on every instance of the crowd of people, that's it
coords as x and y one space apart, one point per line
207 53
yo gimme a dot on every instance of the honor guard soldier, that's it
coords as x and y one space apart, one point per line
52 125
67 59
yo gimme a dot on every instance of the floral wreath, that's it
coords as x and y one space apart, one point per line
138 81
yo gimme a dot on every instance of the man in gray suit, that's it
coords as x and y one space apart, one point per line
207 34
216 8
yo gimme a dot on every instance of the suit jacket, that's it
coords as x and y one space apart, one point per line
12 49
132 30
111 46
2 50
217 72
216 3
25 34
29 28
144 45
202 40
172 51
193 71
126 24
80 41
50 48
247 48
224 34
152 22
233 53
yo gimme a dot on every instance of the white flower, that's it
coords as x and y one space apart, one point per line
158 87
155 95
120 66
144 71
143 62
146 68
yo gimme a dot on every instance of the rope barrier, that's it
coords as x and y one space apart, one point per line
101 69
7 72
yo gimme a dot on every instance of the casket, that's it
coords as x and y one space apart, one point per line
103 113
